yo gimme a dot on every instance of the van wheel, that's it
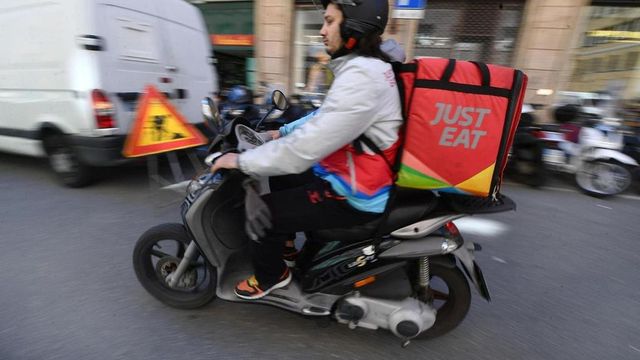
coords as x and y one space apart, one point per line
65 162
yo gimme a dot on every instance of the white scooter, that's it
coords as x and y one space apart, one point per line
599 166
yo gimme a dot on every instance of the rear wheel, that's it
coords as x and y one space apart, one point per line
64 161
603 178
450 295
158 253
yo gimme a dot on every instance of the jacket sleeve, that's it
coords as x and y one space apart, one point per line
348 110
288 128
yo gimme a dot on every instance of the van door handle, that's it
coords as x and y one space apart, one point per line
171 68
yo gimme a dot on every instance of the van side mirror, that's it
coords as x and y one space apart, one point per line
279 100
211 114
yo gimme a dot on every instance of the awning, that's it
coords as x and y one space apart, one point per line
230 25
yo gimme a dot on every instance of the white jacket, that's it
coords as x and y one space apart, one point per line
362 99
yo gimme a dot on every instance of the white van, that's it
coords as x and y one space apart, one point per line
71 72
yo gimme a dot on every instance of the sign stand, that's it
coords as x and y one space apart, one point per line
156 179
159 128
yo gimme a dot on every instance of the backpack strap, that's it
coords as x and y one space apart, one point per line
363 139
484 71
395 166
448 71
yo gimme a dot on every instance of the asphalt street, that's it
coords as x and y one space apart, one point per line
563 270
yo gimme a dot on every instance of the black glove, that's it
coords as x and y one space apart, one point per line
258 215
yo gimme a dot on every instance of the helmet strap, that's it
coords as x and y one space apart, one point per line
351 39
351 43
341 52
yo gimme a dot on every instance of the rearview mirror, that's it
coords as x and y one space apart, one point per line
211 114
279 100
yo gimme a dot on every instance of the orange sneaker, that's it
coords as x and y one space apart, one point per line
250 289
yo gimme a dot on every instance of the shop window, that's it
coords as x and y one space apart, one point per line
311 73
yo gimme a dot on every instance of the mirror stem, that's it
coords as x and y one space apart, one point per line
264 117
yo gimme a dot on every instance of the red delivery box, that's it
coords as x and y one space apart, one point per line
460 120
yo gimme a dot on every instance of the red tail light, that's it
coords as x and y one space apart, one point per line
103 110
452 228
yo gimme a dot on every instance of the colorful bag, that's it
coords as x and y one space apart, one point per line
460 120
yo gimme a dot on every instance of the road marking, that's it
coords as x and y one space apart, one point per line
604 207
481 227
553 188
498 260
560 189
634 348
630 197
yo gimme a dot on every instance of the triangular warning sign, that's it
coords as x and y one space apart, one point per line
159 127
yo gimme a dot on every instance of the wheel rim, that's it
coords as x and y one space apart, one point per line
162 259
63 161
604 178
438 295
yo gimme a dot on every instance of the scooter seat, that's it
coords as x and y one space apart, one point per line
409 207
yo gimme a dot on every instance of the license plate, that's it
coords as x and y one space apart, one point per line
553 156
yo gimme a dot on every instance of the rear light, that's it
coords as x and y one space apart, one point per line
452 229
103 110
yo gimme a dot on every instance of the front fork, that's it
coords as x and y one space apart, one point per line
173 278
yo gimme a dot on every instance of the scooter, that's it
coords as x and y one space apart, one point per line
410 280
596 160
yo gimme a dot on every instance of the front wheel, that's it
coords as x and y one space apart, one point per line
158 253
603 178
450 295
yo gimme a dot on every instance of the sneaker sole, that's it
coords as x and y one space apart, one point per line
290 263
279 285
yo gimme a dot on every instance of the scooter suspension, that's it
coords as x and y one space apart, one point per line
423 273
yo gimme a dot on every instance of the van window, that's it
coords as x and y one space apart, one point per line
136 40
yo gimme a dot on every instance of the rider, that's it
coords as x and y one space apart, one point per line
241 98
337 184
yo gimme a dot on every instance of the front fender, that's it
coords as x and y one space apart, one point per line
472 269
612 154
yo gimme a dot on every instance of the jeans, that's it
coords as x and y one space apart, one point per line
302 202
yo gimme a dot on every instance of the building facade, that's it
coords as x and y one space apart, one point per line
608 56
558 43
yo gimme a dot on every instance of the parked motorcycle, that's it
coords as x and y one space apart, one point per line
410 281
240 103
632 148
526 163
596 160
